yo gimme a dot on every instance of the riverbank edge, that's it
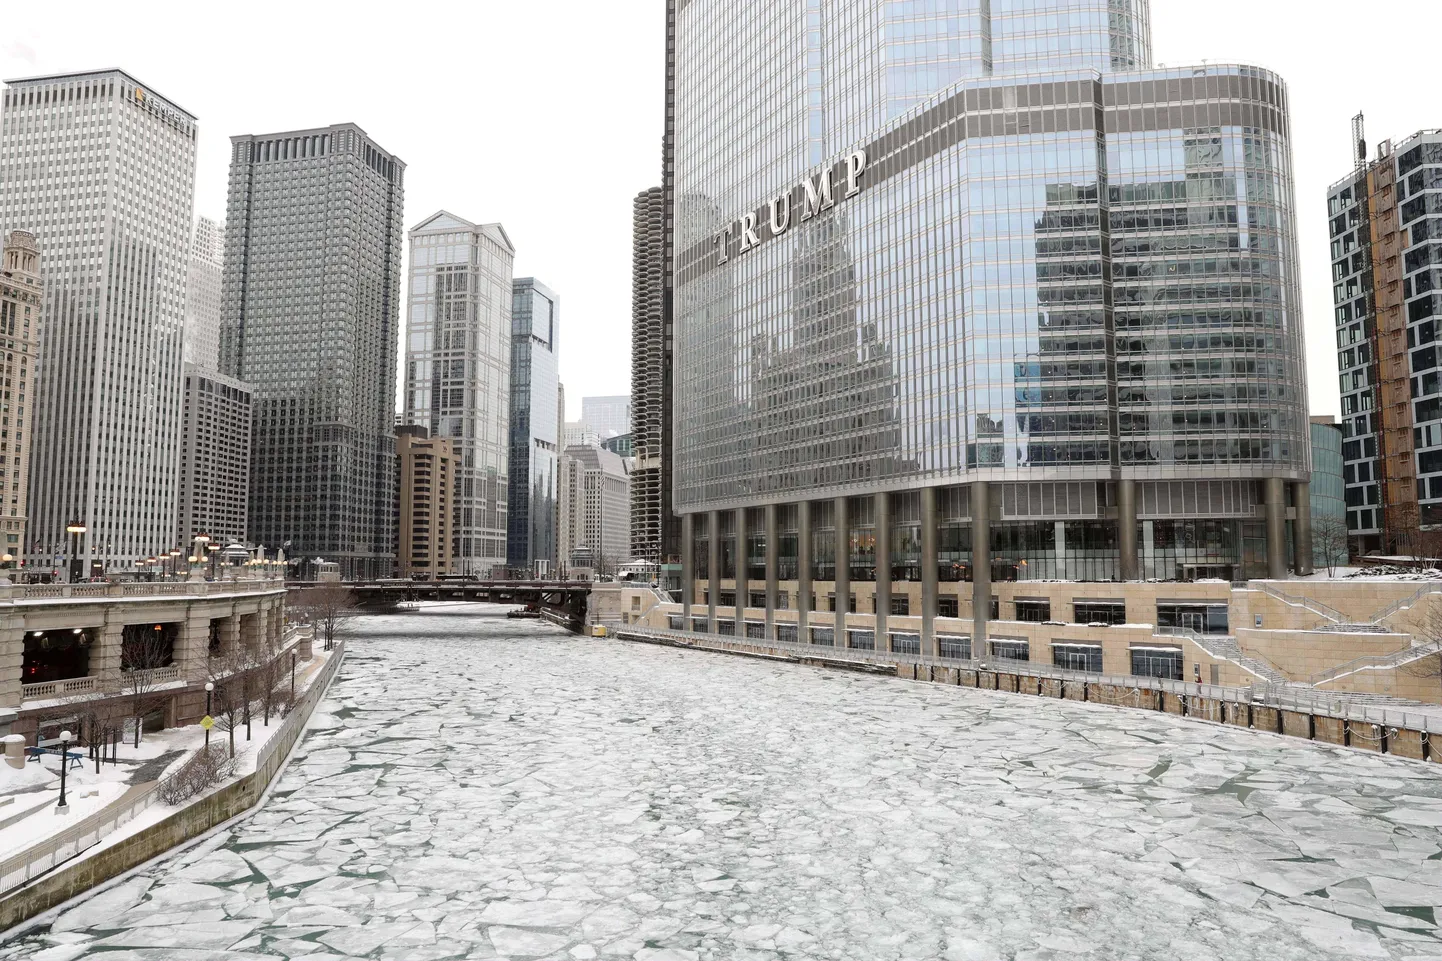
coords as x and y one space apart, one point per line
231 802
1306 725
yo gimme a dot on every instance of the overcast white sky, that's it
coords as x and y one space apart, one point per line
547 116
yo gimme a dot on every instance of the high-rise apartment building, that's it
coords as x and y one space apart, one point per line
427 485
535 379
214 458
609 416
1382 220
595 509
202 294
655 527
458 370
650 377
21 303
986 296
102 170
309 309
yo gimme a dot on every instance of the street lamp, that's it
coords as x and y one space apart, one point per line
174 561
75 529
62 808
292 675
6 560
209 689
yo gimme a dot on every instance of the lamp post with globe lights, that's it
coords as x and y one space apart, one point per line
62 807
209 690
75 529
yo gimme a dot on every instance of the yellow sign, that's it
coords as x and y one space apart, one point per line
140 95
207 722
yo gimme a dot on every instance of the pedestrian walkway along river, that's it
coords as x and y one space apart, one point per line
476 787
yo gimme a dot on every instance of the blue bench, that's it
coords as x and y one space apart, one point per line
76 758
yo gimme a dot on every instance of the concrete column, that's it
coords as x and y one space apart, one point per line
743 591
713 562
843 568
882 511
105 649
1275 499
773 555
980 565
12 661
804 599
1127 529
251 634
1302 528
928 572
688 568
1058 546
230 633
193 644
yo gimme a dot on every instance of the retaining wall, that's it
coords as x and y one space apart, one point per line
1364 735
77 877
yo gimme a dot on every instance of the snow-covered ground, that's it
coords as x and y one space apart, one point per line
482 788
87 791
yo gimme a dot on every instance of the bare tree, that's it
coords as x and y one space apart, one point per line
1329 536
229 706
142 652
330 608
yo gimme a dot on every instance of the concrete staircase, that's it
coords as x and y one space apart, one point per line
1224 647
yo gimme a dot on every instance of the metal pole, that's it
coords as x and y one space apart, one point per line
64 751
209 688
292 675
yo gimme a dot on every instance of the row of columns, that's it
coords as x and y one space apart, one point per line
253 629
982 512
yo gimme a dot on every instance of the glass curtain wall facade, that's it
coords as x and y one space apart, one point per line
310 306
457 374
984 252
101 169
531 540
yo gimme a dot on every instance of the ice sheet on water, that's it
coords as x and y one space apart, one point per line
494 792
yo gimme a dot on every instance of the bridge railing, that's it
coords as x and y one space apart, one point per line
51 592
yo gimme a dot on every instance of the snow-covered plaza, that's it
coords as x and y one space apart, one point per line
482 788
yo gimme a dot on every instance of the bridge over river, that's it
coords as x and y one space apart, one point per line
482 788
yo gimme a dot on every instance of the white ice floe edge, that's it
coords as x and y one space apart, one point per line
49 915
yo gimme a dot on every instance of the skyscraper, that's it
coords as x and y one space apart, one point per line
102 170
309 309
655 528
214 458
1381 219
535 381
458 370
21 303
202 294
427 484
610 416
993 298
595 509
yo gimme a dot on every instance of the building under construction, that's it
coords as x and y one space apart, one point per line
1385 225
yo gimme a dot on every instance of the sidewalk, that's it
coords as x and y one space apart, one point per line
123 803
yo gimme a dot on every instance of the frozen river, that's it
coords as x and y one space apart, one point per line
483 788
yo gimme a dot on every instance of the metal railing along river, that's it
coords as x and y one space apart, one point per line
1425 718
20 868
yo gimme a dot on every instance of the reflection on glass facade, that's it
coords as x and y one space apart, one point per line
930 242
535 426
457 373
